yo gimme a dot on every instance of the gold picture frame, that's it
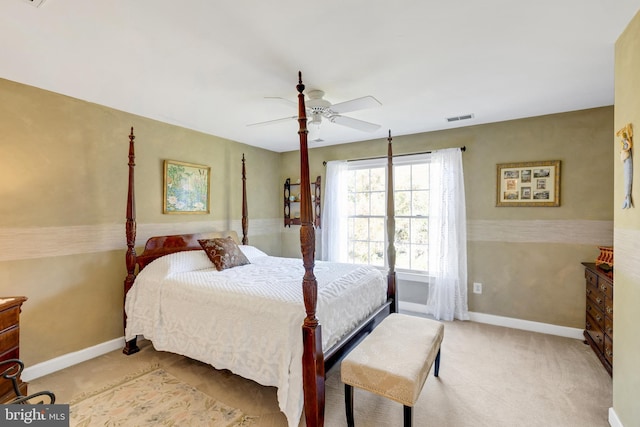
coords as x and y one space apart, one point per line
186 188
528 184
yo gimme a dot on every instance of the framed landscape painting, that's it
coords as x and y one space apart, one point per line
186 188
528 184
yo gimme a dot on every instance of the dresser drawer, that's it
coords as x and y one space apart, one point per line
595 332
608 349
594 294
13 353
6 387
9 318
608 326
606 288
10 339
608 307
597 315
592 278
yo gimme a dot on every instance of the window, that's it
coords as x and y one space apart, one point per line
366 226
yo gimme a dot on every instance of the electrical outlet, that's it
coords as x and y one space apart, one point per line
477 288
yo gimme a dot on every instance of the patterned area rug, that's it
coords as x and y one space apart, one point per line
152 398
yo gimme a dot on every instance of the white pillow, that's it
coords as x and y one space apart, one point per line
178 262
251 252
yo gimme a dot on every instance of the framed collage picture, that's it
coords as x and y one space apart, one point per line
528 184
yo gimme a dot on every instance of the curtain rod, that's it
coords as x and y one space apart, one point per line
324 163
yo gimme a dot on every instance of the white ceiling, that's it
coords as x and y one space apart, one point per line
208 65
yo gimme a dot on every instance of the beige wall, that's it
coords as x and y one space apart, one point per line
63 183
626 362
528 259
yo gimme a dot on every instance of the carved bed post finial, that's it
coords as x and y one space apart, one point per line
131 217
130 257
313 356
391 229
245 216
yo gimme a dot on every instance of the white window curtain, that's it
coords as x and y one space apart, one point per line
334 213
447 237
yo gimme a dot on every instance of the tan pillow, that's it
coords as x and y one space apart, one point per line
223 252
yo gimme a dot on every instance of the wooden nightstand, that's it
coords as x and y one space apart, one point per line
10 341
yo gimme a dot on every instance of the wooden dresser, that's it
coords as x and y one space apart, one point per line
598 331
10 341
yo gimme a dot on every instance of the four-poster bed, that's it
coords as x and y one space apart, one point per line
364 299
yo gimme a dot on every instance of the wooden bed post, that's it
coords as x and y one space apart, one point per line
391 230
245 217
313 357
130 259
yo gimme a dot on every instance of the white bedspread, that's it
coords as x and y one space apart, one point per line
248 319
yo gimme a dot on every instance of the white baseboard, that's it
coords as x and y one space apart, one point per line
509 322
614 421
70 359
527 325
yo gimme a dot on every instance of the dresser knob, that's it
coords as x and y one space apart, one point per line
599 318
599 300
609 310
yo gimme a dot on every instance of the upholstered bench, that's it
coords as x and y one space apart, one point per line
393 361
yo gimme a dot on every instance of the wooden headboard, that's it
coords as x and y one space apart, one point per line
163 245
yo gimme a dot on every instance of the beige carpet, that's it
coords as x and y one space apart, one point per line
489 376
152 397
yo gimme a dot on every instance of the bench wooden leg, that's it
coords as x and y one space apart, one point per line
348 403
408 416
436 370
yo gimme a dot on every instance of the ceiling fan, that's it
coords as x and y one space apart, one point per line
319 108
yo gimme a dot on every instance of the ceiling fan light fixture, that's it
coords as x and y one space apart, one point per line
316 119
314 127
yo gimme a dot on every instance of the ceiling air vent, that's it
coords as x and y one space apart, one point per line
36 3
458 118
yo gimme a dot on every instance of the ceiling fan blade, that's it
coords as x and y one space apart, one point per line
354 123
355 104
271 122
